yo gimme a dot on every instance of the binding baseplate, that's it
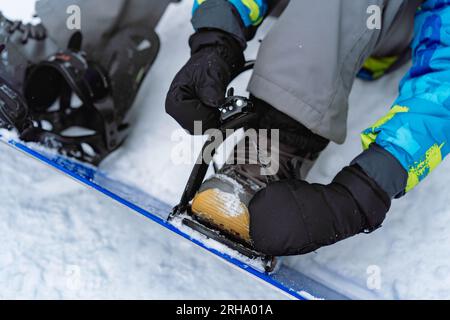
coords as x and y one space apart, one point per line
237 112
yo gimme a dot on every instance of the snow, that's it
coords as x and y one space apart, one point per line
59 240
238 189
232 203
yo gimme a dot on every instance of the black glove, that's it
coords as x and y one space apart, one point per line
294 217
200 86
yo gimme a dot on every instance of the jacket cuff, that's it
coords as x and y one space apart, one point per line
384 169
220 14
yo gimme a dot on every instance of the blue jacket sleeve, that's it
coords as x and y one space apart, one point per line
416 131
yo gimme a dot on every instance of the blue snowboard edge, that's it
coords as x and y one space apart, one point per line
286 279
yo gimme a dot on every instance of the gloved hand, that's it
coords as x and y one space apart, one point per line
200 86
294 217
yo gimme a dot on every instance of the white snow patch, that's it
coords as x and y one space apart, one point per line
232 203
308 296
9 135
145 44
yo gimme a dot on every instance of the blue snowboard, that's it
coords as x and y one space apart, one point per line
289 281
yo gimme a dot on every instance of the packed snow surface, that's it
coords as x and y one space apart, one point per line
59 240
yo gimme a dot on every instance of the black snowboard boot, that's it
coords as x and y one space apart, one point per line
223 200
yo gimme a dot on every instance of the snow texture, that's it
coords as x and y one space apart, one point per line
59 240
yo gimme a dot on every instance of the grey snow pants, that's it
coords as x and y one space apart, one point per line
99 18
307 63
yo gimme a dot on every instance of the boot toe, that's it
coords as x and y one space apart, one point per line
218 203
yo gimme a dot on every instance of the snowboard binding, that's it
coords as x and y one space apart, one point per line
235 113
77 103
50 91
71 92
13 108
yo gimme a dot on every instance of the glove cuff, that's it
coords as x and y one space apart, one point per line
223 44
373 202
385 169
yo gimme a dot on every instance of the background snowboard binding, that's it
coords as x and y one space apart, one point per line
77 105
235 113
13 107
